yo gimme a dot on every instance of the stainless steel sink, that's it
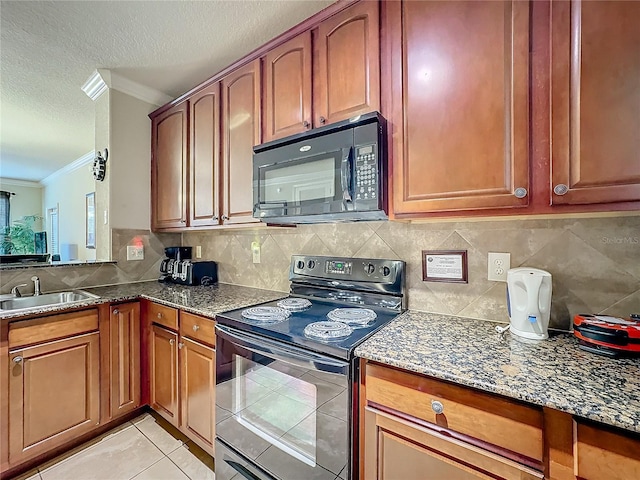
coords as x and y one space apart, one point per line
45 300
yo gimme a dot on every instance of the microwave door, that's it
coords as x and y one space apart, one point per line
346 178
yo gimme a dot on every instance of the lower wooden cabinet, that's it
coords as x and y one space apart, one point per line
164 373
197 394
397 449
54 394
124 356
182 376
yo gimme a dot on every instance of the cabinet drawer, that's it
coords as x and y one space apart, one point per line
505 423
198 328
601 453
52 327
162 315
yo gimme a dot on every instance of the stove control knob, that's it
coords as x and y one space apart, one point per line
369 268
386 271
300 264
311 264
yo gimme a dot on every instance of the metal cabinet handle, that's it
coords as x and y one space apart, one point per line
116 312
437 407
172 342
180 345
520 192
306 124
159 314
560 189
17 359
196 328
323 120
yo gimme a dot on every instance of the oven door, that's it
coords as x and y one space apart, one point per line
281 412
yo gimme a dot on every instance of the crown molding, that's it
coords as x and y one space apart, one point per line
20 183
76 164
94 86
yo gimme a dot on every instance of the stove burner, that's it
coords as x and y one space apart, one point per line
294 304
266 315
345 297
356 317
327 330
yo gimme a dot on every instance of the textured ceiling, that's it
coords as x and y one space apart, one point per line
49 49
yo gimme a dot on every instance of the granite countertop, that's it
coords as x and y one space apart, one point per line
205 301
553 373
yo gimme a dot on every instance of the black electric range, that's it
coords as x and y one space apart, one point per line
286 396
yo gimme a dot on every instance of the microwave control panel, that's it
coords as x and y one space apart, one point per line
366 172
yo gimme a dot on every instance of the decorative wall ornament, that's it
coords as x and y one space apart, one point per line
100 165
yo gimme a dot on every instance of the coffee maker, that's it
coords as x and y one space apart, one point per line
178 268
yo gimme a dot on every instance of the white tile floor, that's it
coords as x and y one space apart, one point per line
141 449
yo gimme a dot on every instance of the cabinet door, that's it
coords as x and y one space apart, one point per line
347 66
164 373
169 153
595 113
198 381
241 130
287 96
460 102
54 394
125 358
396 449
204 167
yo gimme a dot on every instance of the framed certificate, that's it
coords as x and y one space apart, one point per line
445 266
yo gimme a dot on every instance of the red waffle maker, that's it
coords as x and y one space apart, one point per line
606 335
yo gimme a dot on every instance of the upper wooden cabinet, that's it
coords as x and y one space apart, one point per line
241 131
287 92
169 153
347 64
204 166
124 354
460 96
595 113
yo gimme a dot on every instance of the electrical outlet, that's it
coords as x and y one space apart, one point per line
255 250
498 265
135 252
198 251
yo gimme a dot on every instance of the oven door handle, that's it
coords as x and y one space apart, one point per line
277 351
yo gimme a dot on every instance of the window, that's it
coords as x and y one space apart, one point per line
52 217
5 217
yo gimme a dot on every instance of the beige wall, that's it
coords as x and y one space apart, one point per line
129 159
595 262
102 135
68 192
26 201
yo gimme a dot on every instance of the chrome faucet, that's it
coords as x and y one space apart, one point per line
36 285
15 290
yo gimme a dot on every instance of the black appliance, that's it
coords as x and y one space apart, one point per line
286 377
328 174
178 268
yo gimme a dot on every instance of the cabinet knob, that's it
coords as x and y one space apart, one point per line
214 218
183 221
560 189
180 345
224 217
323 120
172 342
17 359
520 192
116 311
306 124
196 328
159 314
437 407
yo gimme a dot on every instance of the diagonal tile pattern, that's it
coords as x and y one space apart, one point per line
141 449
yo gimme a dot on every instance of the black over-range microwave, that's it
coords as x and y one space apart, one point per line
329 174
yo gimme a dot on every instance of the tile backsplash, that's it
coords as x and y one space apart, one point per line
70 276
595 262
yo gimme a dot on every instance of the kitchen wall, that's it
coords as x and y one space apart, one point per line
102 135
68 192
73 276
595 262
26 201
